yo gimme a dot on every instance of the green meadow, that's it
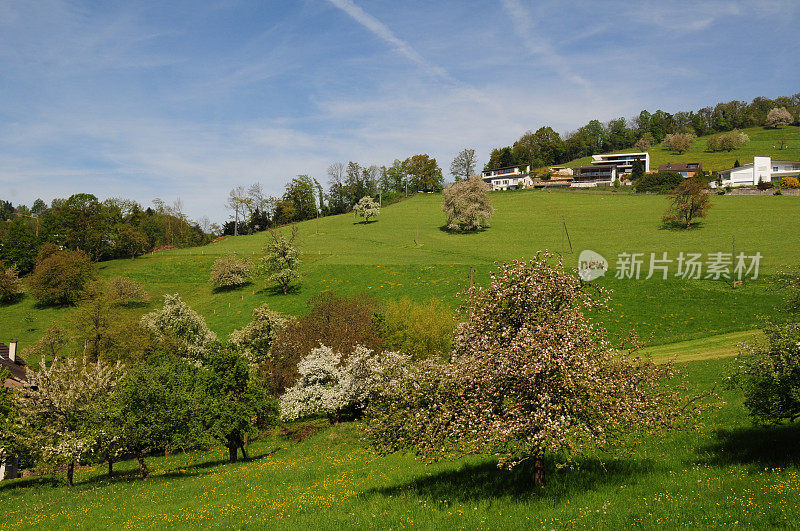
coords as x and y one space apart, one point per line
406 253
723 472
763 142
310 476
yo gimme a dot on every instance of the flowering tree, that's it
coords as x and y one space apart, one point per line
529 375
176 321
230 272
467 205
367 208
778 117
257 337
11 287
281 261
58 403
334 386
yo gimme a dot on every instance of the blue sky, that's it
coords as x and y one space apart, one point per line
188 99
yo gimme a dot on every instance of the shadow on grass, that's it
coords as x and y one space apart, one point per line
486 481
764 446
679 226
228 289
38 481
277 290
445 228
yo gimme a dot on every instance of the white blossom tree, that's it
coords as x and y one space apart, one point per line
57 406
778 117
281 260
530 375
367 208
467 204
178 323
230 272
256 338
334 385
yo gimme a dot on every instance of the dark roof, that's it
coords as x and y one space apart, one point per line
681 166
17 368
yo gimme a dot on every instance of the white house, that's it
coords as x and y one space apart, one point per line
761 169
623 161
592 176
509 178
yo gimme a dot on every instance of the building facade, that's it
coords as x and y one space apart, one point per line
761 169
509 178
622 161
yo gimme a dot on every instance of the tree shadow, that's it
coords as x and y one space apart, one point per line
294 289
363 222
445 228
229 289
24 483
10 301
473 482
762 446
678 226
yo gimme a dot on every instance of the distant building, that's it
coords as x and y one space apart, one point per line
622 161
687 169
590 176
761 169
509 178
561 173
12 362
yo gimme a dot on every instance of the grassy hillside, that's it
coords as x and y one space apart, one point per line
763 142
382 259
724 473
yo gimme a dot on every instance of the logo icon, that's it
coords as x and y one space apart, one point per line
591 265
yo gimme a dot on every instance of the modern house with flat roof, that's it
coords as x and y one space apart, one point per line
590 176
687 169
623 161
508 178
761 169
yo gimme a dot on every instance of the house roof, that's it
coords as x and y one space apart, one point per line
681 166
17 368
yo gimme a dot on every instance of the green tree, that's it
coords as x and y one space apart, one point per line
130 241
689 202
60 278
11 286
255 340
300 193
424 174
463 164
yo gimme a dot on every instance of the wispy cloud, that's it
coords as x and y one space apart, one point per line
382 31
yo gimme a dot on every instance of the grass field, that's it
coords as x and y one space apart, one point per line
763 142
724 473
383 259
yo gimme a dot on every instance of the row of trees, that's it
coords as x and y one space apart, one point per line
306 198
546 147
114 228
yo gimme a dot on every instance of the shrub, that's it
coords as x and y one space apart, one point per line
335 386
182 327
467 204
790 182
530 375
341 322
763 185
230 272
367 208
661 182
122 291
59 278
11 286
727 141
421 330
257 337
769 375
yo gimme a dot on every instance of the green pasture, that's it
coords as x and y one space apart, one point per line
724 472
392 258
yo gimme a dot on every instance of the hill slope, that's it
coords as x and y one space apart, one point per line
382 259
763 142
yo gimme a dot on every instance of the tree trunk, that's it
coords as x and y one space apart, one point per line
538 471
143 467
110 466
244 452
232 449
70 473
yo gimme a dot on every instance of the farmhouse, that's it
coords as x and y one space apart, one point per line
761 169
508 178
9 360
687 169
